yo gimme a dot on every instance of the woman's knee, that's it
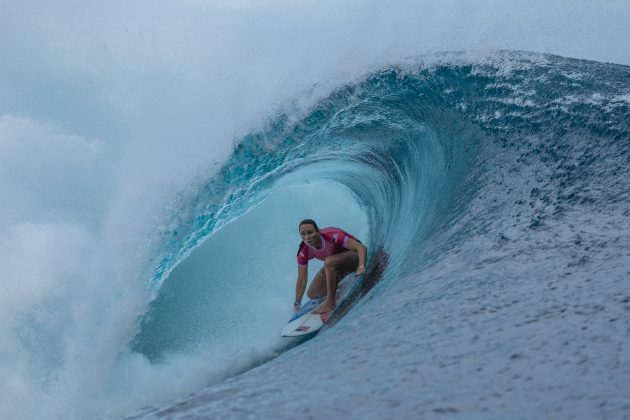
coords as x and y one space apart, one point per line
341 262
331 263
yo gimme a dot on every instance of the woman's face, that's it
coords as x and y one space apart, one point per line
310 236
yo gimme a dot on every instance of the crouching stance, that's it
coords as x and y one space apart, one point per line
341 252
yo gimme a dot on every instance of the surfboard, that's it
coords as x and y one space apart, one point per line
304 322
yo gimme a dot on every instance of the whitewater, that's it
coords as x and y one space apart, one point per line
156 158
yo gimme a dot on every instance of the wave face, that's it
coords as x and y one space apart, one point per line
500 188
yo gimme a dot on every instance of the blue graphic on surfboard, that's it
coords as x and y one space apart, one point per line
304 322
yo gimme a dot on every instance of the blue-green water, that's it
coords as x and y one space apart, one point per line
155 159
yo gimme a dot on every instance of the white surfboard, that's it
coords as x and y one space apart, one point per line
304 322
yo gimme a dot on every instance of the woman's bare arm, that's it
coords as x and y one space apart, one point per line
354 245
300 284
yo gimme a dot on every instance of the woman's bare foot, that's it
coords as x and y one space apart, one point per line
325 306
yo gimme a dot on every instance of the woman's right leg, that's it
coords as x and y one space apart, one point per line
317 289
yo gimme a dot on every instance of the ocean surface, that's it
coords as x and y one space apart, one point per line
150 195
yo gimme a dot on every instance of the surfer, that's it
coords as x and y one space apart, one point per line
341 252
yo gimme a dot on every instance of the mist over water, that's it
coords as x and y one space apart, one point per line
119 122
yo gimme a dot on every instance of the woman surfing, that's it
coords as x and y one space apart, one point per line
341 252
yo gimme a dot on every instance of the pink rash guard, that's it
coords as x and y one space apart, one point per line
334 241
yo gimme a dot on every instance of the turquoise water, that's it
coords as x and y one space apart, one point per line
155 161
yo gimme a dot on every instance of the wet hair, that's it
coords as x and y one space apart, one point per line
309 222
306 222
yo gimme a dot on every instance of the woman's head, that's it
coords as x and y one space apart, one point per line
309 232
309 222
